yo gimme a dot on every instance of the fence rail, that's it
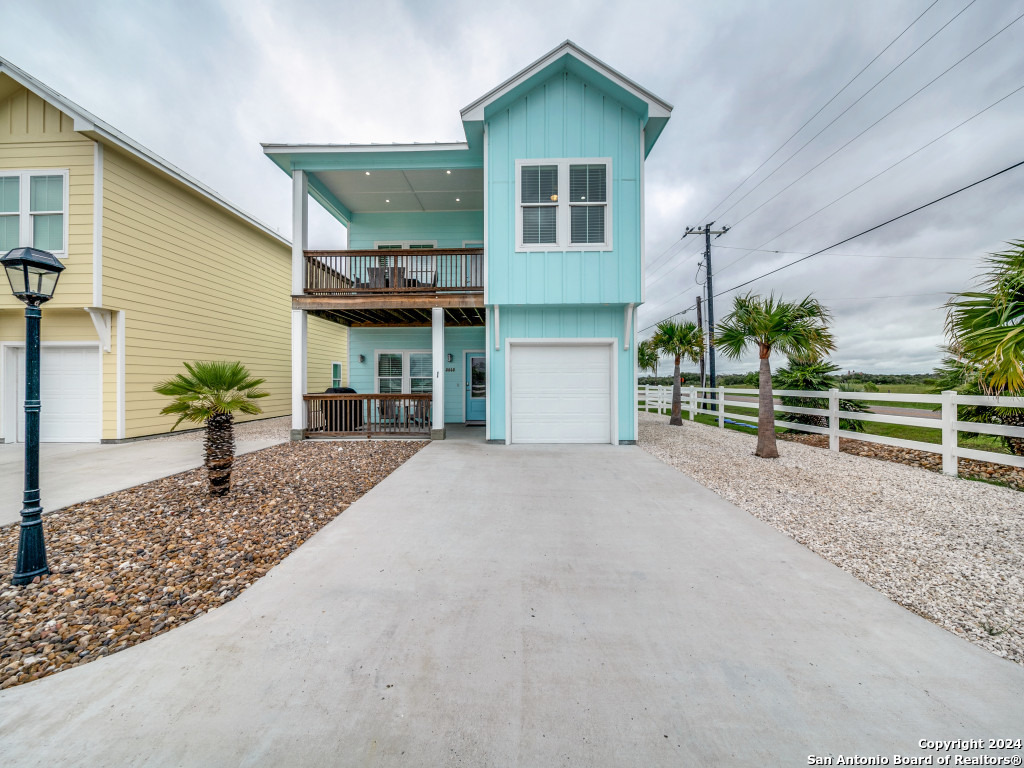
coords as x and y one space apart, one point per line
699 400
407 270
373 415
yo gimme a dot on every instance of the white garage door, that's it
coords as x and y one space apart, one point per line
560 393
69 391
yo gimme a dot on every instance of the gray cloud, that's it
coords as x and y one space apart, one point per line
203 84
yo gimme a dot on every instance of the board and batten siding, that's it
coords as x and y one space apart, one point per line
326 343
35 136
563 118
566 322
449 229
195 283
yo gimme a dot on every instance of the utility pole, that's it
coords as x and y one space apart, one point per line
707 231
700 325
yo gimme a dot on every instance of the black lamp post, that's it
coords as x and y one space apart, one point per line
33 276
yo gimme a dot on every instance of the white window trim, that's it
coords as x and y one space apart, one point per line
562 216
340 368
406 377
24 200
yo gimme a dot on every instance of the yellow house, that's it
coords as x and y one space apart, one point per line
159 269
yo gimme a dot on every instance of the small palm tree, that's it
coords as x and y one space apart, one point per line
647 356
212 393
678 340
796 329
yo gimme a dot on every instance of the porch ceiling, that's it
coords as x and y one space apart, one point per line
406 191
411 317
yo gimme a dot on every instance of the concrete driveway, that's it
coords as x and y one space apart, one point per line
528 606
75 472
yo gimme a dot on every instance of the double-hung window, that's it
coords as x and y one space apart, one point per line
336 375
33 210
563 205
405 372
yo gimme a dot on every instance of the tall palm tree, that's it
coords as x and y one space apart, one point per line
647 356
212 393
678 340
986 327
986 332
799 329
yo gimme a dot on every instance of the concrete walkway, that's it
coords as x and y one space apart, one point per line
75 472
528 606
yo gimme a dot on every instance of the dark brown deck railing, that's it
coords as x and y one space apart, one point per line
409 270
373 415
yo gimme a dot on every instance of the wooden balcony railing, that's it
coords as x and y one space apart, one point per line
373 415
436 270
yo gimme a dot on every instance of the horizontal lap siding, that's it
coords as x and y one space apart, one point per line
326 343
457 341
564 118
36 136
195 283
449 229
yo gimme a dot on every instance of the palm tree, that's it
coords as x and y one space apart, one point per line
647 356
212 393
796 329
678 340
985 326
986 331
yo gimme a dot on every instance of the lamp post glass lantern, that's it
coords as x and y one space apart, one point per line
33 277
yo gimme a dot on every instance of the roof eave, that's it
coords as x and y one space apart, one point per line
89 125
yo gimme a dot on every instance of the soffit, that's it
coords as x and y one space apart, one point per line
408 191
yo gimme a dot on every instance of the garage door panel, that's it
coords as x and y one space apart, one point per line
560 394
69 391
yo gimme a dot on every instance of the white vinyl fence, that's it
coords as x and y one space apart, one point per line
701 399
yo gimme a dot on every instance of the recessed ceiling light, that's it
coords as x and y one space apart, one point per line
448 172
387 201
457 200
367 173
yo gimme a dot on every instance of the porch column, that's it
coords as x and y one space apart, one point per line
300 229
298 373
437 345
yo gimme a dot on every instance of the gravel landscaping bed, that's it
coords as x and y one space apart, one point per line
951 550
130 565
978 470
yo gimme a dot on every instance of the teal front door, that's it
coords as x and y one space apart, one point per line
476 386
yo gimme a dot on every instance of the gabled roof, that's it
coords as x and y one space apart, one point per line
89 125
570 57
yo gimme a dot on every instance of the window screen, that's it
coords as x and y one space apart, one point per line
389 372
588 197
539 198
421 372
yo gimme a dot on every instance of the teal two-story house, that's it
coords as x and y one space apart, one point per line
493 281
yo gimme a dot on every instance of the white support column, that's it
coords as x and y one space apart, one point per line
437 345
300 229
949 433
298 373
833 420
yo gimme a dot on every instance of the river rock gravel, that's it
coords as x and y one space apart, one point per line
136 563
949 549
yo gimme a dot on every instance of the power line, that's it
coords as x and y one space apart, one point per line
856 255
923 147
859 234
852 105
822 108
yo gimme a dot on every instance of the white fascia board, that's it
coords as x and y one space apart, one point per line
89 124
656 107
316 149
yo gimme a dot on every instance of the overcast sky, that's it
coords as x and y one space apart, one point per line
203 83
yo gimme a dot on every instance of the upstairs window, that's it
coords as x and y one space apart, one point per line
33 210
563 205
